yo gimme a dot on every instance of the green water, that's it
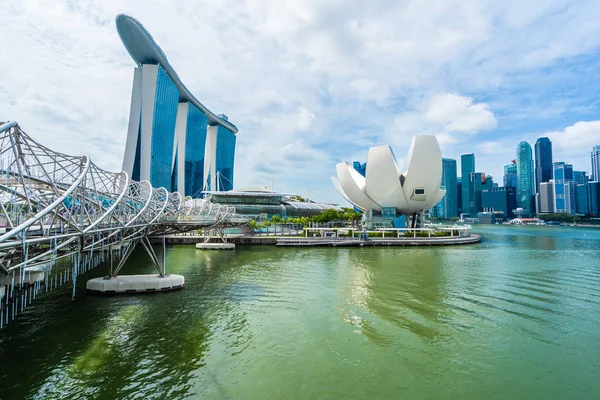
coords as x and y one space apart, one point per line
515 317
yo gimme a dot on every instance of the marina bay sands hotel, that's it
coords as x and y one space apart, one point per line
173 140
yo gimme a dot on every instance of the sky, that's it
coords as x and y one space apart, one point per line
310 83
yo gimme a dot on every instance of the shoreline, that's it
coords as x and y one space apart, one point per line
301 241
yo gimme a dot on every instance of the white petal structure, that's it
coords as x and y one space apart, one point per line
411 190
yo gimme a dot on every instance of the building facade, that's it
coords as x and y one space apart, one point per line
581 199
564 188
543 162
467 167
546 197
503 199
477 184
510 175
525 178
580 177
448 206
173 140
595 157
594 198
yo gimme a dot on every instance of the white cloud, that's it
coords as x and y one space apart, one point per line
459 114
287 73
575 142
452 118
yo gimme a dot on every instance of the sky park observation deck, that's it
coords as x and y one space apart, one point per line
173 140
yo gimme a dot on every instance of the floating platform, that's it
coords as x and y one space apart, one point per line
135 284
215 246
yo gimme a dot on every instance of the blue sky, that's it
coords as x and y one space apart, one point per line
312 83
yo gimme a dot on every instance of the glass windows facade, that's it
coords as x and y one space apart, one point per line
543 161
595 157
525 178
477 184
225 156
467 167
594 198
564 188
360 168
163 130
195 143
448 206
510 175
581 199
502 199
580 177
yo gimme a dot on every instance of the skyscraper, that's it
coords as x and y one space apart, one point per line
593 192
546 197
510 174
499 199
596 163
580 177
543 162
564 188
581 199
448 206
477 184
467 167
173 140
526 182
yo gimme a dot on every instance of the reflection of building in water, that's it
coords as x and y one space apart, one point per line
408 287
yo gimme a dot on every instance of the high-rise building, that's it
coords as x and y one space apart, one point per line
581 198
477 184
360 168
564 188
510 174
543 161
580 177
459 194
546 197
500 199
595 155
448 206
173 140
594 198
525 179
467 167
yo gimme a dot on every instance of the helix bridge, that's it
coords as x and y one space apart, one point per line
58 209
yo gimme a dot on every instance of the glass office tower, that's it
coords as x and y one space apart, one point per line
564 188
595 156
448 206
525 178
543 162
510 175
467 167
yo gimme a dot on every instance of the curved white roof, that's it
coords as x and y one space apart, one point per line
143 49
415 189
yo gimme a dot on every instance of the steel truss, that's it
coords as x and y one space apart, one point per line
54 205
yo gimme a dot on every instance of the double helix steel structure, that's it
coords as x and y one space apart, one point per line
54 205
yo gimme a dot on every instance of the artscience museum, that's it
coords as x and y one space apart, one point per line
388 195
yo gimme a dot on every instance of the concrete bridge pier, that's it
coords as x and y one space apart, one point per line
147 283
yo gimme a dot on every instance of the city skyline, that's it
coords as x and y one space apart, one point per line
295 77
